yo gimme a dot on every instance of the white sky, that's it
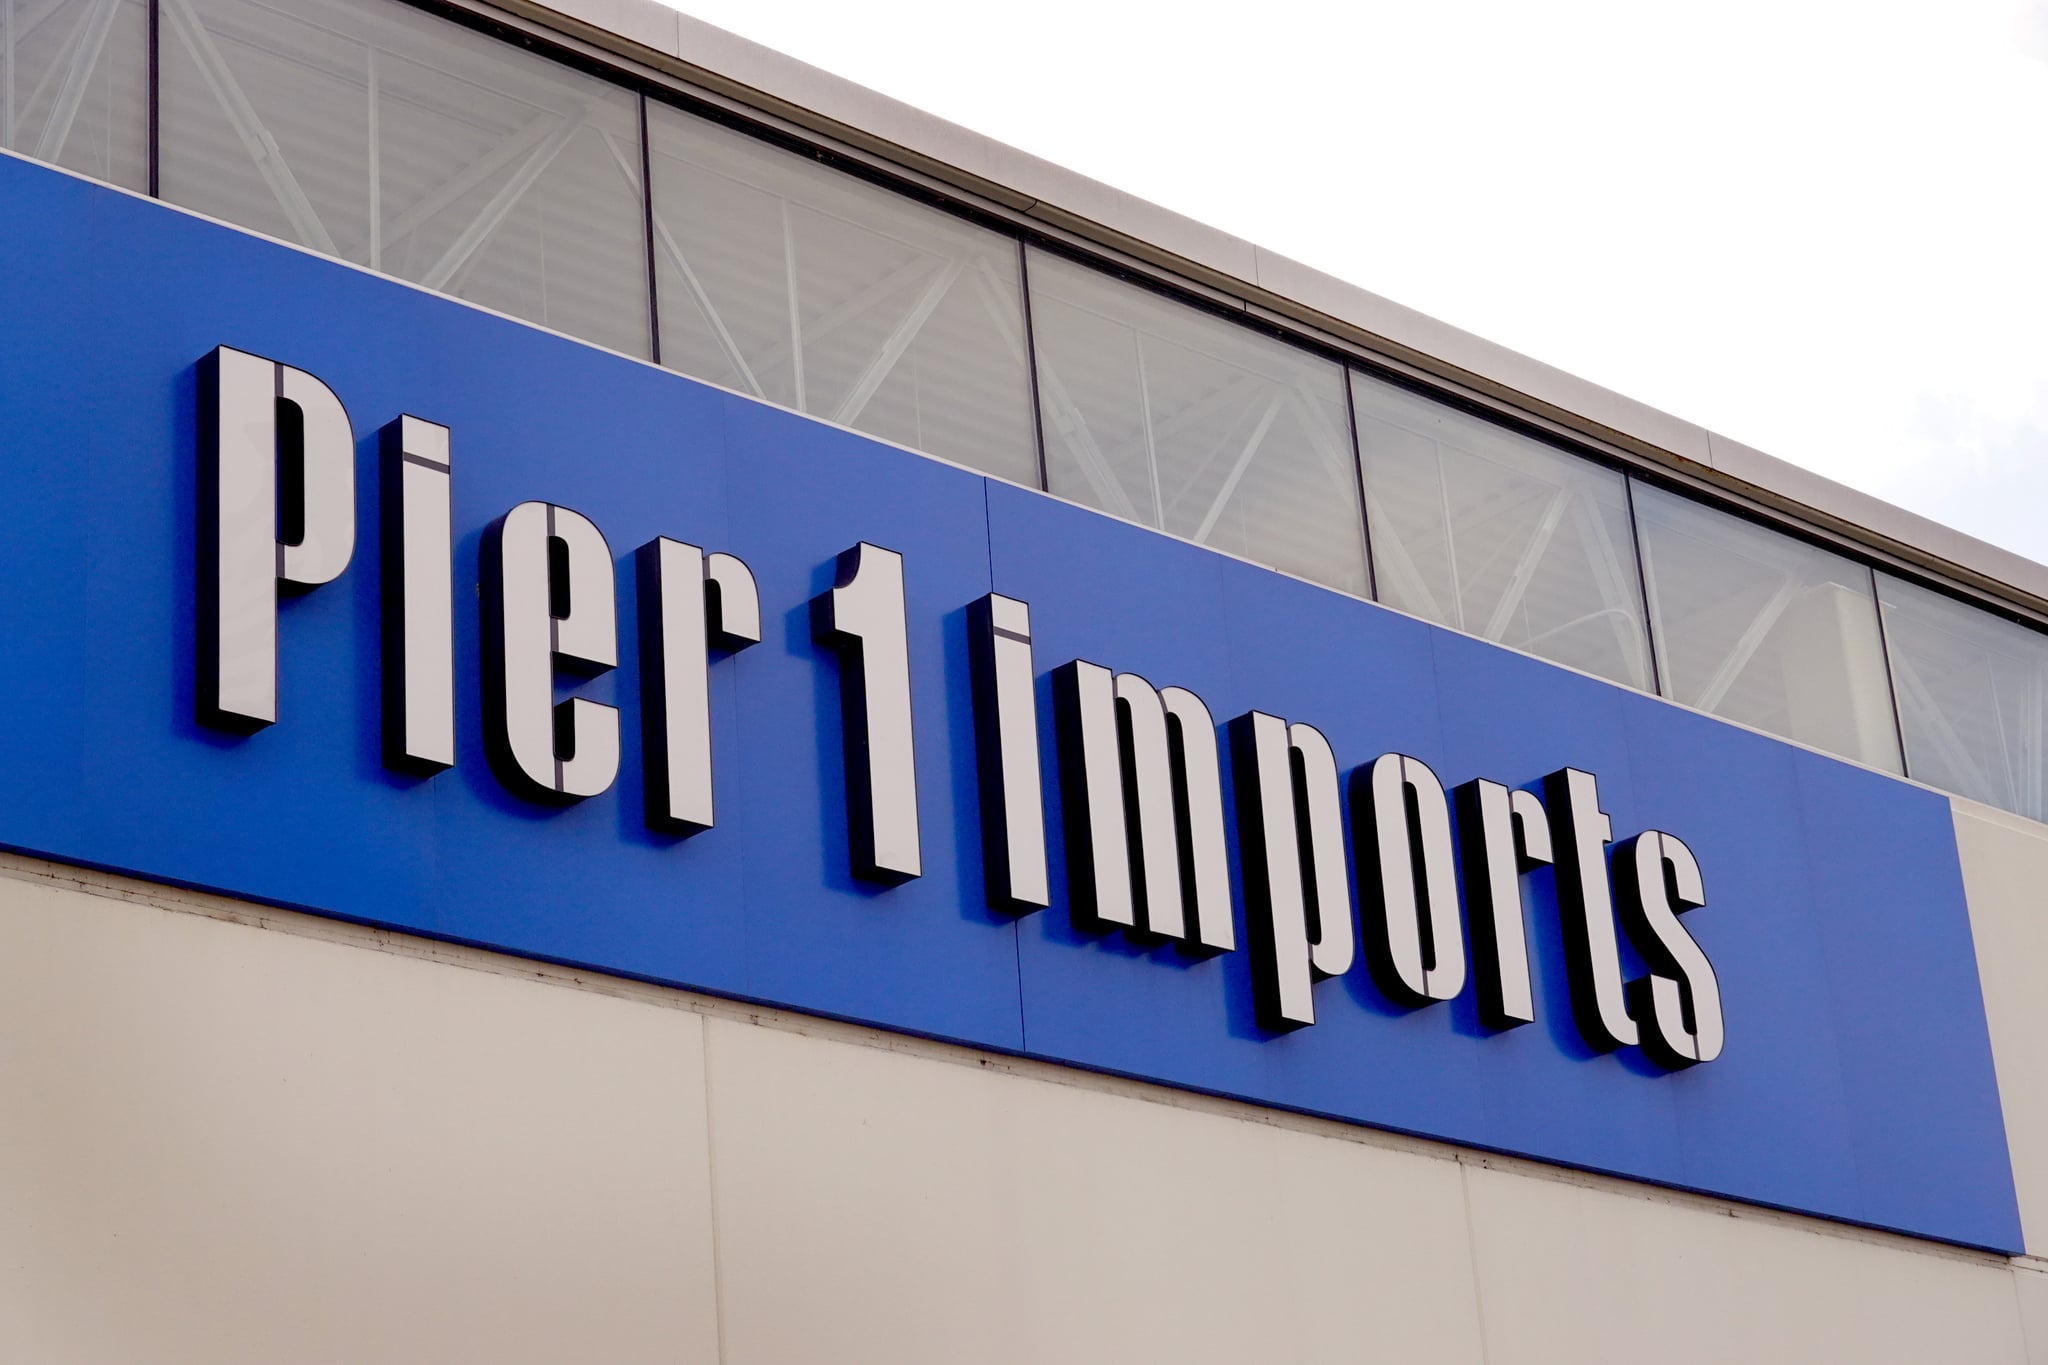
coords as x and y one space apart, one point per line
1820 228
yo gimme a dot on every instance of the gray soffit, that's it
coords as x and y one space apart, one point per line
1238 274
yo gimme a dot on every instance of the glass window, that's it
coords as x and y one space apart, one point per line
1163 414
797 283
1973 697
1496 534
1764 629
372 131
74 85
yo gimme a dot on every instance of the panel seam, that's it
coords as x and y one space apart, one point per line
704 1023
1472 1260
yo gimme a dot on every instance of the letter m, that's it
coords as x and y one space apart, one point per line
1142 798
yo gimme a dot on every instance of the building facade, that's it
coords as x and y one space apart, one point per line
664 710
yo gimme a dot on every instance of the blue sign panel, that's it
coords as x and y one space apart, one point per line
1856 1081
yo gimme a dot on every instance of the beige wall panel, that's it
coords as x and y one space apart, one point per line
1570 1272
224 1144
875 1207
2005 875
2030 1283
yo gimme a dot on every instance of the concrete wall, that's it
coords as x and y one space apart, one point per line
2005 876
224 1143
230 1134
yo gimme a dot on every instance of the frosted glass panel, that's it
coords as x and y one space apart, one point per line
1493 533
74 85
1163 414
1973 697
796 282
372 131
1765 629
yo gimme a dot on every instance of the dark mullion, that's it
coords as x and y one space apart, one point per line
1891 678
1031 362
1635 537
1372 572
647 231
155 92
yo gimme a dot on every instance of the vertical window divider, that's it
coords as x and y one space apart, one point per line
1372 569
1031 363
1635 537
155 120
375 185
1891 676
647 230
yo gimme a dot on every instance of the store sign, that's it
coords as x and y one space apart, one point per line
1144 807
398 611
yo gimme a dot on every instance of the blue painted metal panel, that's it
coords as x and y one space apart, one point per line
1857 1081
